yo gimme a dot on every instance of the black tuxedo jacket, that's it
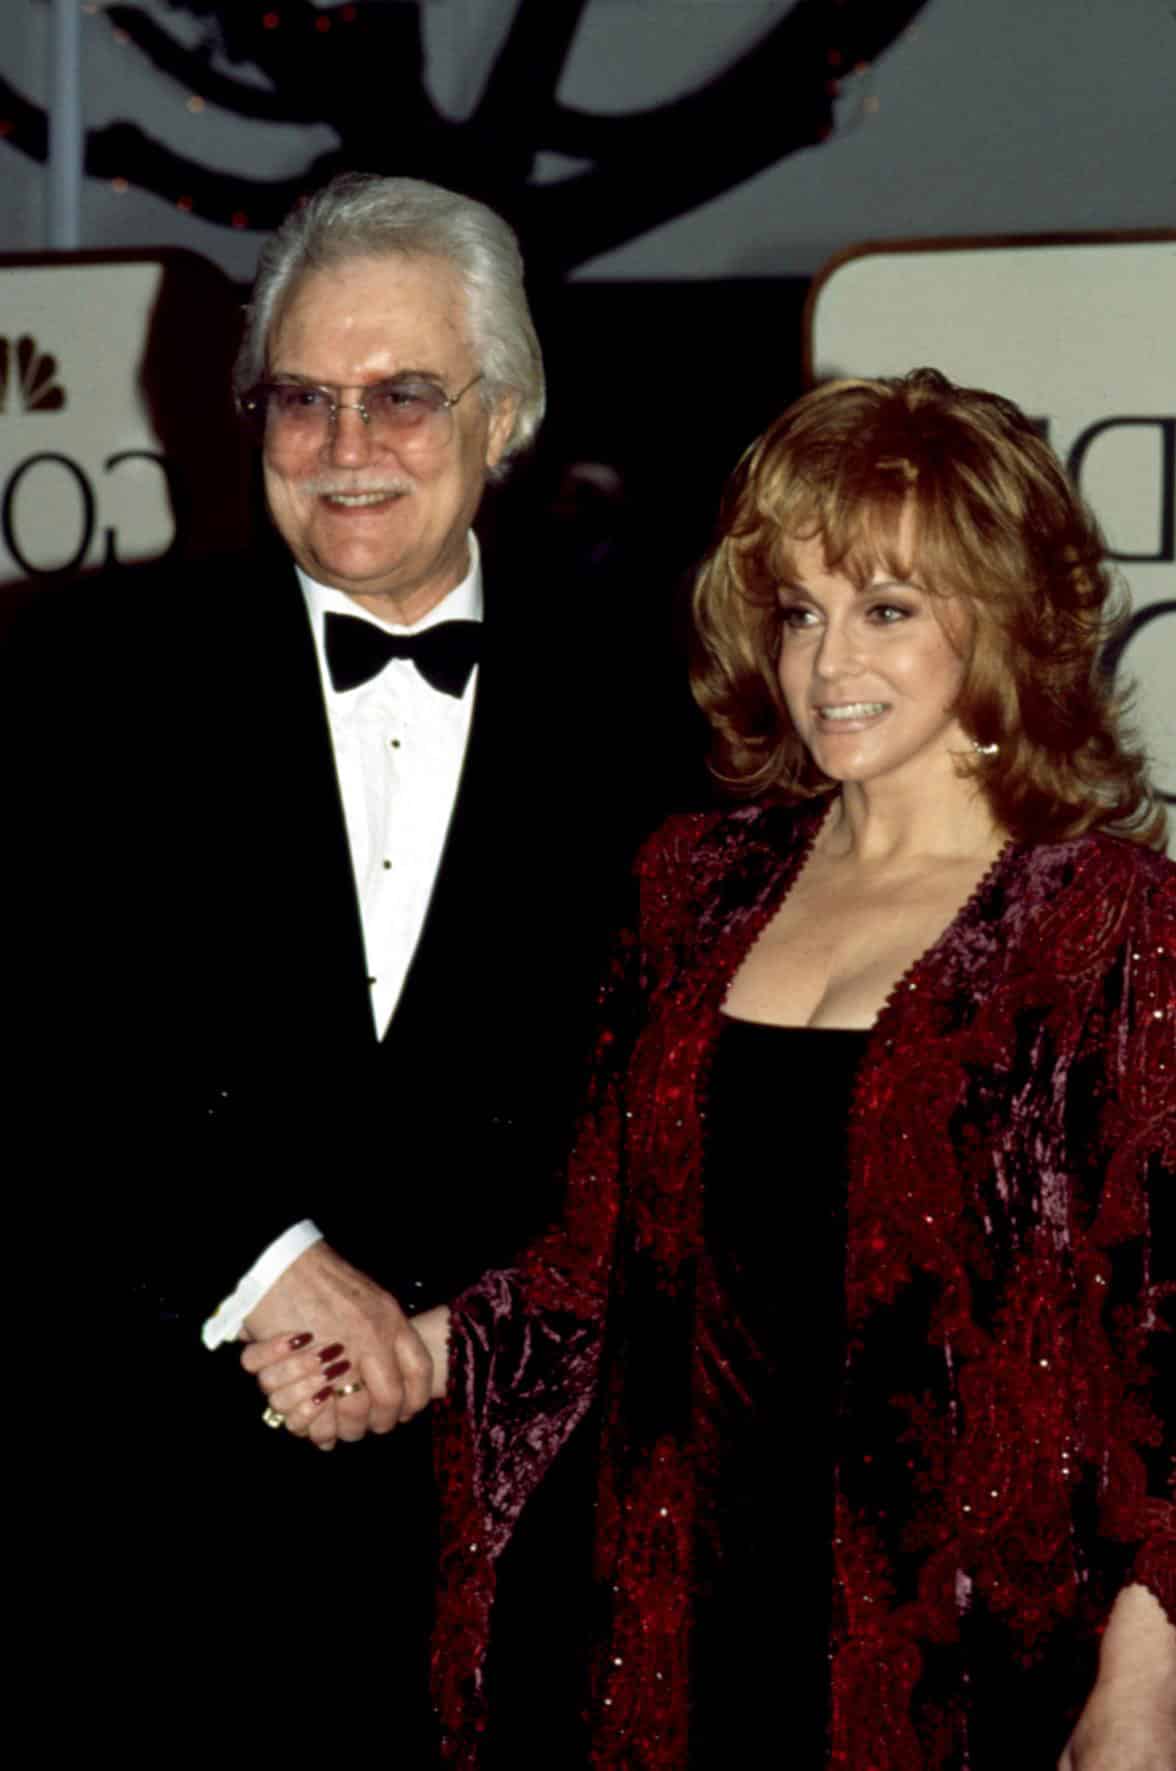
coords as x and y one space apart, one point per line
191 948
191 1066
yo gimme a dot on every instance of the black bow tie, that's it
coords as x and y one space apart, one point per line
444 655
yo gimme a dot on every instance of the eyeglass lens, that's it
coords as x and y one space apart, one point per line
409 411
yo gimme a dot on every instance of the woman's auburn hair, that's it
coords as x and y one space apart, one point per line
994 521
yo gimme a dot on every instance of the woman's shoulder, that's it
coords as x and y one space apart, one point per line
1099 865
1072 902
1130 860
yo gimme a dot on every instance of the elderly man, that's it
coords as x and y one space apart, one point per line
389 365
326 895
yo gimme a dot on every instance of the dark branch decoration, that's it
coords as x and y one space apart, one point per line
359 69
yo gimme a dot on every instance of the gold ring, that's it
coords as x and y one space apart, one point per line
272 1418
349 1389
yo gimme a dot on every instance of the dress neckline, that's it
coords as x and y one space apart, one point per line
816 815
793 1027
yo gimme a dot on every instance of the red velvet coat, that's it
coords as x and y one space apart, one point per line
1012 1145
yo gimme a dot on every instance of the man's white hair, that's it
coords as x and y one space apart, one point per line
361 215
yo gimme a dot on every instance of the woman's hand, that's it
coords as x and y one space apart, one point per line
300 1378
391 1373
433 1328
1129 1722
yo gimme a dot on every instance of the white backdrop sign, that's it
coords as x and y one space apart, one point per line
81 467
1082 334
118 438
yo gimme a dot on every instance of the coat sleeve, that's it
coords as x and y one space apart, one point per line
526 1343
1136 1226
525 1354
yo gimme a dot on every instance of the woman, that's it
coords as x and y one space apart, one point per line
914 1364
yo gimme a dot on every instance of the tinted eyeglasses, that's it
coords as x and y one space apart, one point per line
406 411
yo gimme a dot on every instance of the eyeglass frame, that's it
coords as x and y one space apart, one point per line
334 388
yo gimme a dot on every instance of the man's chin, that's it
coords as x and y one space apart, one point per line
357 561
393 591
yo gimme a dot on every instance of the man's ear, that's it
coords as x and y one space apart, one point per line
501 429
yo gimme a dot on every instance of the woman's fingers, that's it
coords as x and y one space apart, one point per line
324 1428
277 1369
315 1383
300 1404
325 1394
302 1382
258 1354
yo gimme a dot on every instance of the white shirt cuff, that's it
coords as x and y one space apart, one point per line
226 1320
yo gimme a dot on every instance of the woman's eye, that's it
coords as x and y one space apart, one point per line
795 616
887 614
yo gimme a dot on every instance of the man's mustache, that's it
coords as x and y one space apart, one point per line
328 485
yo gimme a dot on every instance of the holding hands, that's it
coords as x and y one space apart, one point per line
335 1354
306 1385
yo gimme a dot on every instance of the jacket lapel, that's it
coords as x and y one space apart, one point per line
451 956
281 836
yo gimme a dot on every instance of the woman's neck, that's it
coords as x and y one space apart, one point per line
874 824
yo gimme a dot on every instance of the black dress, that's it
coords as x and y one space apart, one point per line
774 1233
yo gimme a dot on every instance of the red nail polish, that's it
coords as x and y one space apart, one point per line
324 1395
298 1341
337 1370
331 1352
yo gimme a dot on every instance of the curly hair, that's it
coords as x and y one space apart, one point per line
953 489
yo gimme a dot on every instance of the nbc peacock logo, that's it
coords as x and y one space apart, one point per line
28 378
